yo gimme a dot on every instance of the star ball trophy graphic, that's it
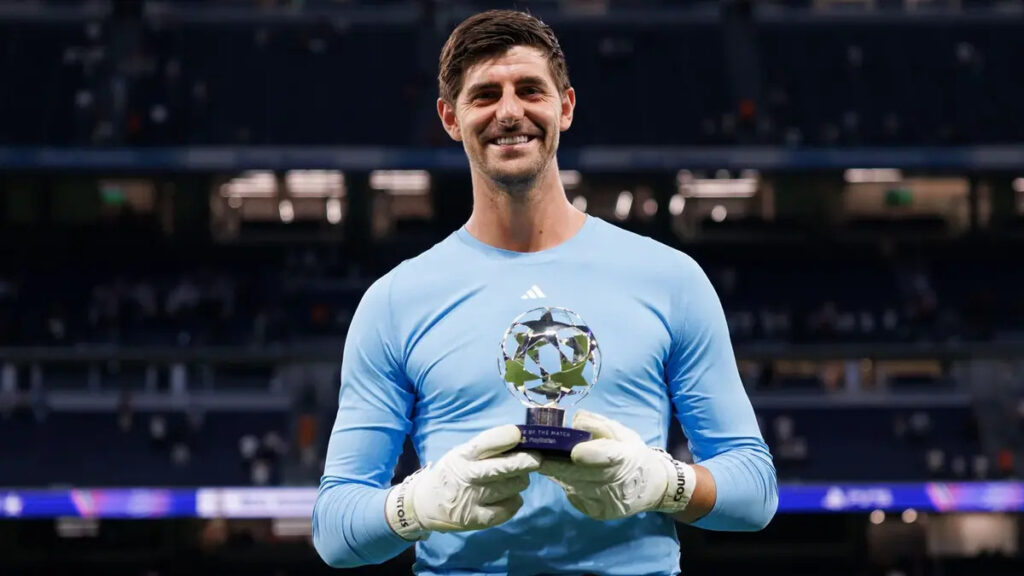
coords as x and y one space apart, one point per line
549 359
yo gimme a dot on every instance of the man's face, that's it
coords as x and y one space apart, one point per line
508 116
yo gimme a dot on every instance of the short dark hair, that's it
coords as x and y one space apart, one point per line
492 33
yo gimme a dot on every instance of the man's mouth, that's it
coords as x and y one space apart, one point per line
512 141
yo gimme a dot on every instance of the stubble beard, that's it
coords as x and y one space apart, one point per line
516 186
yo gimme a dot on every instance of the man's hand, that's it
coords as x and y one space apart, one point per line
473 486
616 474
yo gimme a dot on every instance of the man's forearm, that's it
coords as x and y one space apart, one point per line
703 499
737 492
350 528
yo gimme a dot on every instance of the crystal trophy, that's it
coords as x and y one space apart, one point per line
549 360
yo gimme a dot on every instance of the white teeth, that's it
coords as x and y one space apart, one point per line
506 140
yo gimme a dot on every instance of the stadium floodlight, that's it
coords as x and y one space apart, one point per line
872 175
580 202
570 178
333 210
677 204
286 210
315 183
719 213
623 204
726 188
722 186
909 516
877 517
251 184
401 182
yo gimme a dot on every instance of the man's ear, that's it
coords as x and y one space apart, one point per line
568 106
448 119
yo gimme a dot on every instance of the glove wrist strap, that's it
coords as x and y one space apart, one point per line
682 480
400 513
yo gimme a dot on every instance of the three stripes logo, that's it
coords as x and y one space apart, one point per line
533 293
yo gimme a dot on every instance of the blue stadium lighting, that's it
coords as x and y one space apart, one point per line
907 499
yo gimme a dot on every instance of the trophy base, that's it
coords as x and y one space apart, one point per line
544 433
551 440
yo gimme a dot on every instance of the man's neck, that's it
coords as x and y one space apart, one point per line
539 219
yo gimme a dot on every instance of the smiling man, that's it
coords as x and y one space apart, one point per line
508 115
420 361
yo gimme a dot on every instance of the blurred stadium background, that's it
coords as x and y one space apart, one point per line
194 196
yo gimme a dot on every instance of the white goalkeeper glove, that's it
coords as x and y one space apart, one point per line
615 474
474 486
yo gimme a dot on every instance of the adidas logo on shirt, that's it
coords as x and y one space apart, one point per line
533 293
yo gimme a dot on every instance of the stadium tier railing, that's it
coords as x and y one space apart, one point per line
585 159
331 352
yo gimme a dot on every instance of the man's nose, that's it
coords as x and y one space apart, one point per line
510 109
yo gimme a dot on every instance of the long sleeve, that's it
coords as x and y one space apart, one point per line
374 404
715 412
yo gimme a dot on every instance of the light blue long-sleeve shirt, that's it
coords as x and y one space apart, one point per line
421 359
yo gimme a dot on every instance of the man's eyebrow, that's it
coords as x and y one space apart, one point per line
525 80
531 80
481 87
